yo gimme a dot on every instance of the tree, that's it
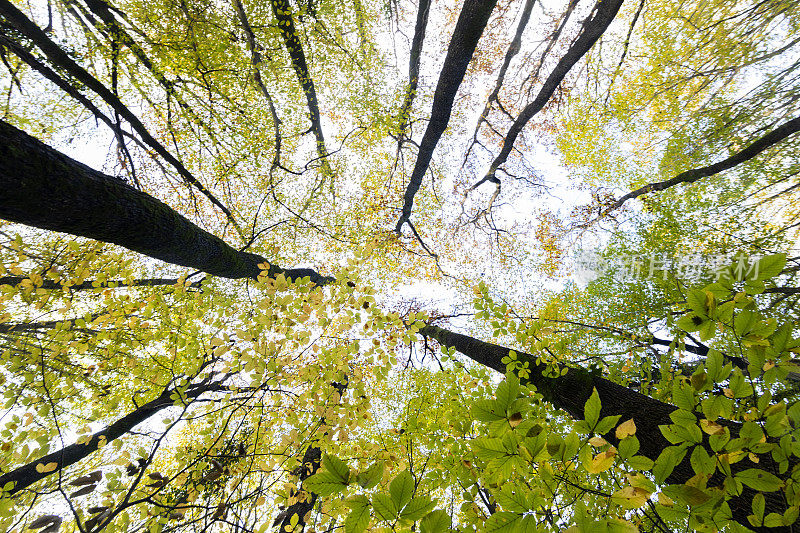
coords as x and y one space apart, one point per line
284 388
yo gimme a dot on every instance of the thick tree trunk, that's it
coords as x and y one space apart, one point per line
571 391
43 188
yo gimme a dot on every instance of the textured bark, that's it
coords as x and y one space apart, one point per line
60 59
571 391
469 28
27 475
43 188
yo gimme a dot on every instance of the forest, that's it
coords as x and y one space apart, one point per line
399 265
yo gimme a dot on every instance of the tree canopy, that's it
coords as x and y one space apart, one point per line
303 265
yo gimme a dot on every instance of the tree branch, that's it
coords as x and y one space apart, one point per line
59 58
772 138
469 27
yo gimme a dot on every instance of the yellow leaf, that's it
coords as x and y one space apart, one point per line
598 441
712 428
601 462
626 429
631 497
44 468
665 500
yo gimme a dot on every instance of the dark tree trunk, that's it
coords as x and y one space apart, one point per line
571 391
26 475
43 188
469 28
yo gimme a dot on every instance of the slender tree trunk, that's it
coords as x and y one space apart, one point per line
469 28
43 188
26 475
571 391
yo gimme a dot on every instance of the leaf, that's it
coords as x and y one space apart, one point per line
601 462
324 483
336 466
769 266
401 488
501 522
626 429
384 507
45 468
417 508
358 519
435 522
45 520
511 498
83 491
486 410
759 480
691 496
631 497
371 476
88 479
591 410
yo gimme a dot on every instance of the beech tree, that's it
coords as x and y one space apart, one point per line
247 393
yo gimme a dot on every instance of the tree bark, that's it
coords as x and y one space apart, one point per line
469 28
60 59
43 188
570 392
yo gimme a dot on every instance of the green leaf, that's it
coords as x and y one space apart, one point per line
507 392
336 466
640 462
691 496
384 507
435 522
501 522
591 411
401 488
759 480
510 498
486 448
324 483
770 266
358 519
487 411
417 508
371 476
758 505
683 395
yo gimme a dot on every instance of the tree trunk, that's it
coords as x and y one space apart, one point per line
571 391
43 188
26 475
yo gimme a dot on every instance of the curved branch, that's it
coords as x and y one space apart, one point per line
28 474
592 30
513 50
772 138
